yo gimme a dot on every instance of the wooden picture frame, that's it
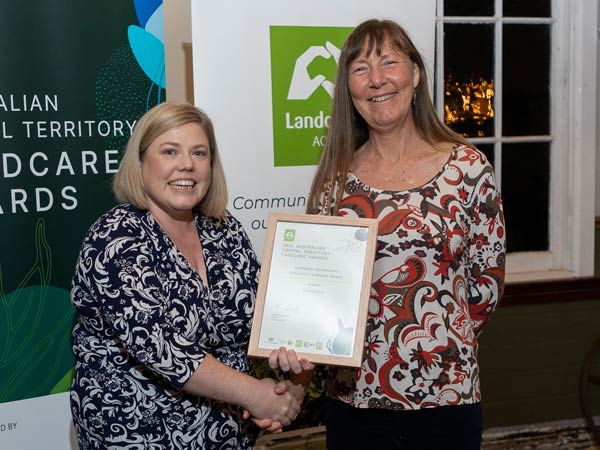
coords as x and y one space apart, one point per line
314 287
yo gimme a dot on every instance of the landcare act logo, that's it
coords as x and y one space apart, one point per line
289 235
304 62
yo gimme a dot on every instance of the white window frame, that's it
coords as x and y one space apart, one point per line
573 105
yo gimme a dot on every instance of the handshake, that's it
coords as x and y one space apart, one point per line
276 404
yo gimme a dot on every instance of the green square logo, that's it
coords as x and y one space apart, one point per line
303 69
289 235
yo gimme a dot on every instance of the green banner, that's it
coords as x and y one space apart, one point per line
75 77
303 68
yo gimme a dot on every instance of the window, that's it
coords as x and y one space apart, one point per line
518 78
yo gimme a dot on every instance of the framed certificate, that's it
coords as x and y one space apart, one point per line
314 287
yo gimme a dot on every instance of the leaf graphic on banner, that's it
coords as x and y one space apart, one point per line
145 9
64 383
35 326
149 52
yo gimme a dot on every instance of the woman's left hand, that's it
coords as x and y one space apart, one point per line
287 361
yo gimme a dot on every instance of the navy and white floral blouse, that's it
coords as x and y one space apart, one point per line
145 321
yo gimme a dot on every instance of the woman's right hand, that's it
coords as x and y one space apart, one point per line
266 425
267 403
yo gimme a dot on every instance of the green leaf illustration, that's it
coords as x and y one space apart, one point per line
64 384
35 331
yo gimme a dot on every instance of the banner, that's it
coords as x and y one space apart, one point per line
75 77
264 72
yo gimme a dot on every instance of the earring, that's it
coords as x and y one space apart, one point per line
414 99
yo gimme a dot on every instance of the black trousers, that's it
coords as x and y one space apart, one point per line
441 428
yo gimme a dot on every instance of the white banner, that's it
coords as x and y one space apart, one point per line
264 72
37 424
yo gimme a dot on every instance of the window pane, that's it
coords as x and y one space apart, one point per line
468 7
526 80
468 79
525 193
488 151
526 8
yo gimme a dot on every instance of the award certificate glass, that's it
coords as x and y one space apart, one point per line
314 287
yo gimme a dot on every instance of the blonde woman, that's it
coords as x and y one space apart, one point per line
164 290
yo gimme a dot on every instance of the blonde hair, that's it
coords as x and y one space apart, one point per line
128 184
348 130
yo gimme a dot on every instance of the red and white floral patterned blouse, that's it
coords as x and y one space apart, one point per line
438 276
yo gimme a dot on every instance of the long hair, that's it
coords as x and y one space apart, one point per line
348 130
128 184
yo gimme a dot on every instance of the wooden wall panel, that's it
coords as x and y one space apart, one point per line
531 356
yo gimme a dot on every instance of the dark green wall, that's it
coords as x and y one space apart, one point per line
597 250
530 359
